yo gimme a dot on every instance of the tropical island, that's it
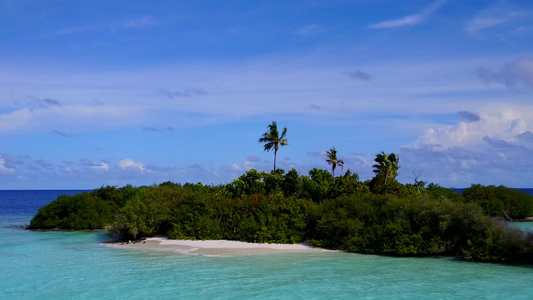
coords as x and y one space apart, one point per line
377 216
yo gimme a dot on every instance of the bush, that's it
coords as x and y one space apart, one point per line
386 224
81 211
500 201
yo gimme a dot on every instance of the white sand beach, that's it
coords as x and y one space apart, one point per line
215 247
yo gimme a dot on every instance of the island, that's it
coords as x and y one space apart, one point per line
378 216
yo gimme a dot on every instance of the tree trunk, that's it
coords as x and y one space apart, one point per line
275 155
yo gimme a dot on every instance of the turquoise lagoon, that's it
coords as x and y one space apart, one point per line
77 265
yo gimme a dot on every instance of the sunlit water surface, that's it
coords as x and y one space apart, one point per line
76 265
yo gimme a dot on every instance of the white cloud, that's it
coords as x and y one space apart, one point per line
498 14
411 19
100 167
48 119
501 122
5 169
251 162
14 120
494 150
235 167
133 98
128 164
480 23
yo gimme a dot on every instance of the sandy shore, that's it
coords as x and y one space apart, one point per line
215 247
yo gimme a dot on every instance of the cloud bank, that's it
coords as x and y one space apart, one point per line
478 150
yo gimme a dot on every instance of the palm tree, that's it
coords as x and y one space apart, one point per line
273 140
333 160
386 165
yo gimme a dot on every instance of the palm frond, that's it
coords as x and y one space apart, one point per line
273 140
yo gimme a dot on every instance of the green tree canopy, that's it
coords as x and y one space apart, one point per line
386 165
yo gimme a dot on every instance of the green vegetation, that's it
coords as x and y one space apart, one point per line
500 201
379 216
386 224
332 212
87 210
386 167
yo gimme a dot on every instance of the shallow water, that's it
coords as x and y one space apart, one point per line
524 226
67 265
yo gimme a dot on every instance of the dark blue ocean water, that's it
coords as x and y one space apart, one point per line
27 203
77 265
527 191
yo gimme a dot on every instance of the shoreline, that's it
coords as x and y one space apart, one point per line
217 247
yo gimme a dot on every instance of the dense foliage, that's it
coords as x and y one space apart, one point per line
204 212
386 224
88 210
500 201
380 216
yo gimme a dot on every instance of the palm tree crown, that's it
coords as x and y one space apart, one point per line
273 140
386 165
333 160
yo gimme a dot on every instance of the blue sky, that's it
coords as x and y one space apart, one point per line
113 92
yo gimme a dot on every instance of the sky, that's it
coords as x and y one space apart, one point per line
96 93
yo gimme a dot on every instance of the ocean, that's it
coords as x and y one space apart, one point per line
77 265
